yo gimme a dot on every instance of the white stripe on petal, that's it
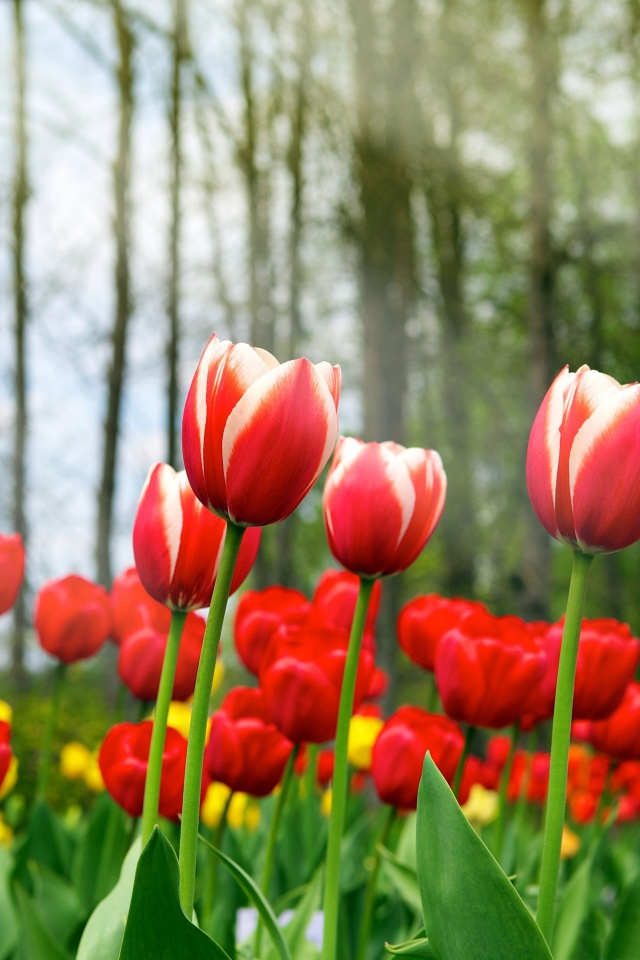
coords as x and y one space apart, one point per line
553 421
398 474
600 423
171 511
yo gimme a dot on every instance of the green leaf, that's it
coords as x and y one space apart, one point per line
256 897
46 841
36 942
102 937
419 949
156 925
98 857
625 936
471 910
8 922
573 909
58 904
403 878
294 932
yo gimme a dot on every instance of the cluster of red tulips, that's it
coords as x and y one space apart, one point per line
256 436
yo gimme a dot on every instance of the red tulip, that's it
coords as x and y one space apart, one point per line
607 659
619 734
381 504
72 618
142 654
424 620
334 601
582 461
530 773
301 675
245 749
5 749
132 608
11 569
400 749
123 761
476 771
256 434
488 670
177 543
259 614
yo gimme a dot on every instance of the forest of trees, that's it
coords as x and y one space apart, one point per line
443 196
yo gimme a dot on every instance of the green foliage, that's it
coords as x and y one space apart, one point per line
471 910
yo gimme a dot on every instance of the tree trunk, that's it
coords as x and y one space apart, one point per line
173 304
20 197
537 553
122 222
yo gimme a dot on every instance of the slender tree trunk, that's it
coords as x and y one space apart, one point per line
122 229
173 304
542 271
20 197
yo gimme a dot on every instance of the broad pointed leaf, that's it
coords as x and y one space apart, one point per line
36 942
625 935
419 949
102 937
471 910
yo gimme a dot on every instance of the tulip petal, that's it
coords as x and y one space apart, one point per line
281 431
543 451
430 486
604 474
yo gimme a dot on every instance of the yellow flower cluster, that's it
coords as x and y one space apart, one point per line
77 762
242 810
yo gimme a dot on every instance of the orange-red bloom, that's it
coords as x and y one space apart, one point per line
123 761
259 614
246 751
256 433
381 504
582 461
11 569
424 620
72 618
177 542
400 749
132 608
142 654
619 734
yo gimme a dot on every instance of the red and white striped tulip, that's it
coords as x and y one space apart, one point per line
582 461
177 543
256 433
381 504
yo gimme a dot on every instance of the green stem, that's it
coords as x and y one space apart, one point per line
498 835
47 744
466 750
160 716
560 737
270 853
341 774
370 893
200 710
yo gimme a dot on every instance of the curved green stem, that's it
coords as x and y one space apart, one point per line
560 737
47 744
272 838
199 713
498 835
341 774
370 893
160 716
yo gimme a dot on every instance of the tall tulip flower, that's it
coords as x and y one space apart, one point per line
11 569
132 608
177 542
381 504
259 614
256 435
583 484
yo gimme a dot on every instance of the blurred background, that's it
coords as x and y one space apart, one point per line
443 196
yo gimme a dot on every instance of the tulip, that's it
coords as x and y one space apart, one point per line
529 777
301 675
11 569
123 763
72 618
487 670
400 749
6 756
619 735
177 543
607 659
256 434
423 621
334 601
582 461
259 614
132 608
381 504
142 654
